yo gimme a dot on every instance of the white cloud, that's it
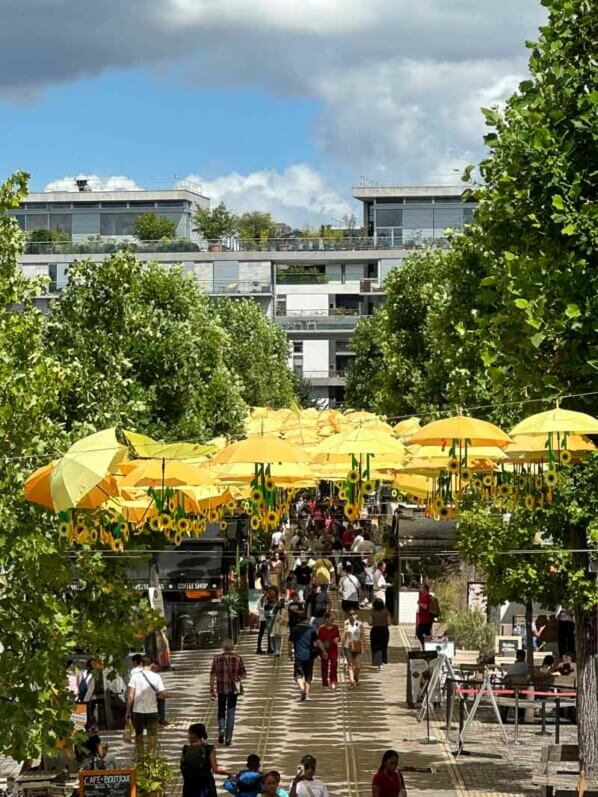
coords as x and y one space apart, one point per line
297 195
399 82
96 183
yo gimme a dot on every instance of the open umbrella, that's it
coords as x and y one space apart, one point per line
263 449
417 486
557 421
85 466
532 447
360 441
166 473
37 486
407 427
462 429
145 447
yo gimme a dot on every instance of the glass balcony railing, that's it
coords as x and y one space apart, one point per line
314 324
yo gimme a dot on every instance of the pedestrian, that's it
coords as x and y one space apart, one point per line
329 636
162 721
565 630
248 782
368 570
303 573
424 619
379 634
353 643
279 626
388 780
264 571
348 538
271 785
323 572
199 764
276 538
226 675
145 687
276 570
319 604
265 605
86 691
349 589
305 783
303 645
379 582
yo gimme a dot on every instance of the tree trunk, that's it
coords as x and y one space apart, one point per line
587 690
529 635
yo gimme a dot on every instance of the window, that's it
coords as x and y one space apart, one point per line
56 205
171 203
61 222
37 221
297 347
20 217
117 223
35 205
468 215
114 204
387 217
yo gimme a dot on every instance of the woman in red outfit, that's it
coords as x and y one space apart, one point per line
329 636
424 619
388 780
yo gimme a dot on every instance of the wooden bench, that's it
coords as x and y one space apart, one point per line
559 769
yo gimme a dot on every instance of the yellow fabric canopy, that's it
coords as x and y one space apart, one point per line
557 421
158 472
261 449
461 428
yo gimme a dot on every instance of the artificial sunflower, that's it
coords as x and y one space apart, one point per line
223 525
154 524
80 528
505 490
565 457
93 535
117 546
231 506
453 465
183 525
171 505
342 494
269 482
529 502
465 475
551 478
394 493
272 517
538 482
438 502
214 516
369 486
245 506
178 538
522 481
165 521
487 480
353 476
443 512
255 523
256 495
349 510
64 529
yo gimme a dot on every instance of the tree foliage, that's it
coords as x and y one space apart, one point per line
151 227
258 352
42 618
215 223
256 226
145 350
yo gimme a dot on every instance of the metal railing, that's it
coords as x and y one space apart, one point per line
318 324
331 373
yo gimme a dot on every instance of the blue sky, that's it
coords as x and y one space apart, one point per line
278 106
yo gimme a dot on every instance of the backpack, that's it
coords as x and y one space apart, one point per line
83 687
434 607
195 763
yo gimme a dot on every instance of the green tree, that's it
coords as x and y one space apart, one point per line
256 227
42 619
146 349
561 537
258 352
215 223
151 227
537 218
366 377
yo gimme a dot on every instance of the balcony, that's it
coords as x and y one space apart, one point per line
326 378
340 320
108 246
221 288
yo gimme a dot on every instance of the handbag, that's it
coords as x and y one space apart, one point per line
128 733
355 646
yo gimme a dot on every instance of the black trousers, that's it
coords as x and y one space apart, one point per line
260 637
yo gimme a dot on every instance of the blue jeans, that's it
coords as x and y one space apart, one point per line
227 705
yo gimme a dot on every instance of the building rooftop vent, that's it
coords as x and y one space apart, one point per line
82 184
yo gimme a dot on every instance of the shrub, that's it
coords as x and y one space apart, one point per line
471 630
151 227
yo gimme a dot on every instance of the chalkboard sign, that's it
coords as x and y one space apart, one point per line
507 646
107 783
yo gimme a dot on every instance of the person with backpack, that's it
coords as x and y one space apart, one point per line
86 690
349 589
145 687
199 764
248 782
425 618
388 780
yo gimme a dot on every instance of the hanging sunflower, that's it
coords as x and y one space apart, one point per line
165 521
272 517
255 523
231 506
342 494
183 525
505 490
453 465
154 524
551 478
178 538
478 483
117 546
466 475
214 515
538 482
522 481
529 502
438 503
125 531
171 505
256 495
565 457
80 527
269 482
443 512
394 493
353 476
245 506
487 480
349 509
93 535
223 525
369 486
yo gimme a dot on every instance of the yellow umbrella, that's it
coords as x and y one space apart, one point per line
134 511
360 441
557 421
261 449
263 425
418 486
145 447
531 448
204 497
435 465
302 436
442 454
461 428
167 473
407 427
280 472
37 486
85 466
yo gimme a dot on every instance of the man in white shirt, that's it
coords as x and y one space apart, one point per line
276 538
305 783
145 687
380 583
349 589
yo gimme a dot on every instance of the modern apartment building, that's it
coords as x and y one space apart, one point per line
317 290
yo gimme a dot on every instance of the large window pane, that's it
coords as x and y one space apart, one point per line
387 217
61 222
117 223
37 221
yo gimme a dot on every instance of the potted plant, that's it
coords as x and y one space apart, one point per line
215 224
153 775
233 604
